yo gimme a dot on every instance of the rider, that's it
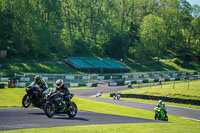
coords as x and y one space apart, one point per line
62 90
159 81
160 104
99 93
40 85
118 93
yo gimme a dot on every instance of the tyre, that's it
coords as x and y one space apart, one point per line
26 101
156 117
118 98
72 110
114 97
49 109
166 118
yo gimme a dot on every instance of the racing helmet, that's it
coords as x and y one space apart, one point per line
38 78
160 102
59 83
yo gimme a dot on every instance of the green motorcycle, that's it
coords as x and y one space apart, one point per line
160 114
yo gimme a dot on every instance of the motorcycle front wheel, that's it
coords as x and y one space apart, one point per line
26 101
72 109
157 117
114 98
49 109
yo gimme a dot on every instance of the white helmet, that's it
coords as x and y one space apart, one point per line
160 102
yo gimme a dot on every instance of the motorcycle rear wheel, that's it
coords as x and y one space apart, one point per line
49 109
26 101
166 118
72 109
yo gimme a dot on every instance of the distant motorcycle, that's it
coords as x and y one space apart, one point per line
160 114
129 85
31 99
116 97
55 105
99 94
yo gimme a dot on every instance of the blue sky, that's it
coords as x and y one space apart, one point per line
192 2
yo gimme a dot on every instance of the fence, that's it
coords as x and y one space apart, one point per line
166 99
92 78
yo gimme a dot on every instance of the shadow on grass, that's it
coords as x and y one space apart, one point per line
152 66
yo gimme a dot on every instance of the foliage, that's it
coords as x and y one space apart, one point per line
139 29
153 32
177 61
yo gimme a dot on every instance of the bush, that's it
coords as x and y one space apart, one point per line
177 61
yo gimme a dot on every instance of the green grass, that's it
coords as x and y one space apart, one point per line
153 102
156 83
186 90
21 66
178 90
162 65
84 87
58 68
182 127
177 124
12 97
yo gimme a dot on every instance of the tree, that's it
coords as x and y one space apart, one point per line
115 47
152 35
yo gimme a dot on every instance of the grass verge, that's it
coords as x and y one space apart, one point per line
186 90
177 124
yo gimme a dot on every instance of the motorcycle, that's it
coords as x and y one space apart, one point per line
160 114
99 94
129 85
56 105
30 97
116 97
159 82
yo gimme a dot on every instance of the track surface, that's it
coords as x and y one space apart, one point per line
173 110
20 118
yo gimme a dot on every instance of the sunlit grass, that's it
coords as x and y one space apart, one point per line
26 67
175 66
186 90
62 68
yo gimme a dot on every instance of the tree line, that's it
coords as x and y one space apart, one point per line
137 29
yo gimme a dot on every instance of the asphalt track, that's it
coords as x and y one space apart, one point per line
21 118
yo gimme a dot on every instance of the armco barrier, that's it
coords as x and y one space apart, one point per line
116 83
121 83
165 99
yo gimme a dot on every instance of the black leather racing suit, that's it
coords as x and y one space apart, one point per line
64 89
37 89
